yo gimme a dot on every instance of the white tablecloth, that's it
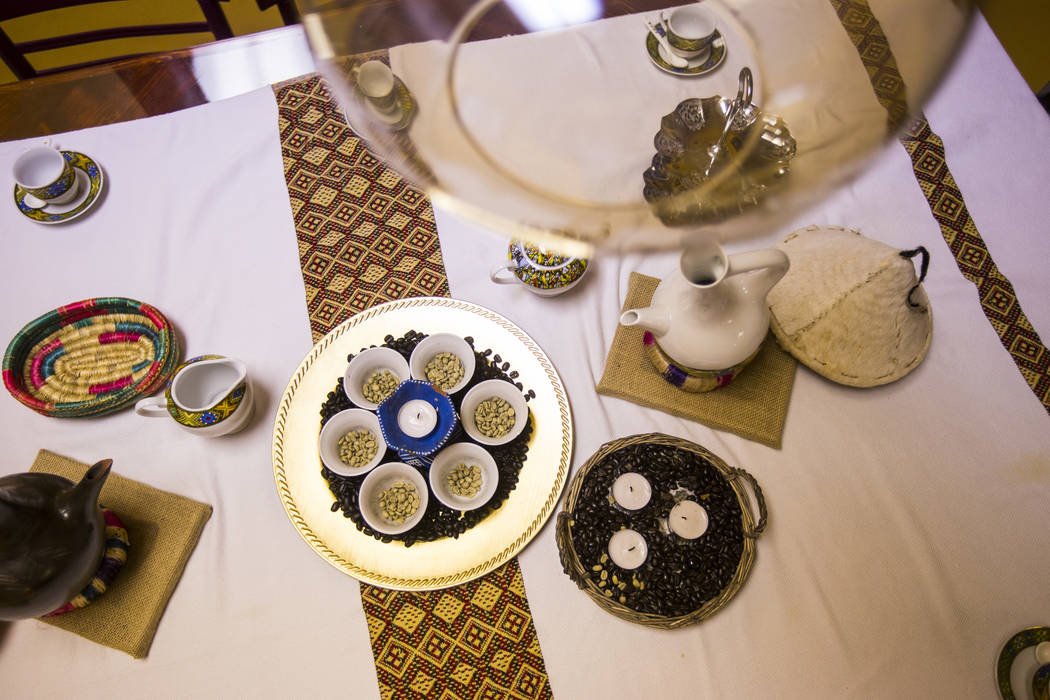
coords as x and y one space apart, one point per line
907 533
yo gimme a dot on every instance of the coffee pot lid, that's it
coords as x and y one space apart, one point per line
851 308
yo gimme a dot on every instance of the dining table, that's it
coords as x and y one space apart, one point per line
908 533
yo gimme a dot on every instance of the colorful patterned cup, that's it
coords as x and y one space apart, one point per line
690 31
541 271
208 395
45 173
376 82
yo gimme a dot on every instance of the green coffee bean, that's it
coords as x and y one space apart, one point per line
445 370
357 448
399 502
494 417
464 480
379 385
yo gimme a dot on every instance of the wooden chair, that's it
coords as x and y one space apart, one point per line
14 55
289 13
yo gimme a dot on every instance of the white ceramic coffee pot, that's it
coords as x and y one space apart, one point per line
708 315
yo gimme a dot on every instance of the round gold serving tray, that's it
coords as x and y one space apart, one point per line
445 562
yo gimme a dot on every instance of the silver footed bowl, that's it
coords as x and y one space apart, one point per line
676 186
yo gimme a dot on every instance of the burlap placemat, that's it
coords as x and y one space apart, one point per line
754 405
163 528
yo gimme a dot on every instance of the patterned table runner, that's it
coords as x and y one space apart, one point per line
998 300
365 237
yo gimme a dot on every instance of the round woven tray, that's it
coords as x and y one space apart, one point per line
90 358
751 529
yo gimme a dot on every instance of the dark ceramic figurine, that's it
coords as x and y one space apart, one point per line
52 536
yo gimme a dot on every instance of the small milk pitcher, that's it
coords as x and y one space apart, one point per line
208 395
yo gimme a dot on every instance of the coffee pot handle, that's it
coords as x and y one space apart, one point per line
152 407
758 259
500 272
772 262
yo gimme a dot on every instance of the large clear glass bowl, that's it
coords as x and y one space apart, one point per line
539 119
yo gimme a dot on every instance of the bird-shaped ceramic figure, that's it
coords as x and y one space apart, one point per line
52 535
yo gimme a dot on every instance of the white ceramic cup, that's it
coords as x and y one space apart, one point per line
364 365
489 389
690 31
348 421
45 174
447 460
376 82
507 274
382 478
208 396
434 345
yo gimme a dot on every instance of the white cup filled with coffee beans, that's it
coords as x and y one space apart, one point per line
443 359
351 442
373 375
393 498
464 476
494 412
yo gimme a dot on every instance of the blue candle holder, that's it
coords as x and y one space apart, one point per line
417 420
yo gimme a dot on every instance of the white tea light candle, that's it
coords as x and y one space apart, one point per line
628 549
631 491
417 418
688 519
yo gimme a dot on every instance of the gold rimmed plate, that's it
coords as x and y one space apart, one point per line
445 562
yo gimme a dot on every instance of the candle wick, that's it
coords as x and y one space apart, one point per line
630 549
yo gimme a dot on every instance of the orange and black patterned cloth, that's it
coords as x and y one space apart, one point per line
366 236
998 300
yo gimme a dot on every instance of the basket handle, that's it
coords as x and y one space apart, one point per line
760 500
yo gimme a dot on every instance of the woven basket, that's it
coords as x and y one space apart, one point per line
575 569
90 358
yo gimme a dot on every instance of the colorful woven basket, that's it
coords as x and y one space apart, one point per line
91 358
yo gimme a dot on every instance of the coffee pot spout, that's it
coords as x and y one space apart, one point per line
655 320
82 500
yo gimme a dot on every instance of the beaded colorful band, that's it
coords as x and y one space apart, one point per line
999 300
113 558
500 652
691 380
